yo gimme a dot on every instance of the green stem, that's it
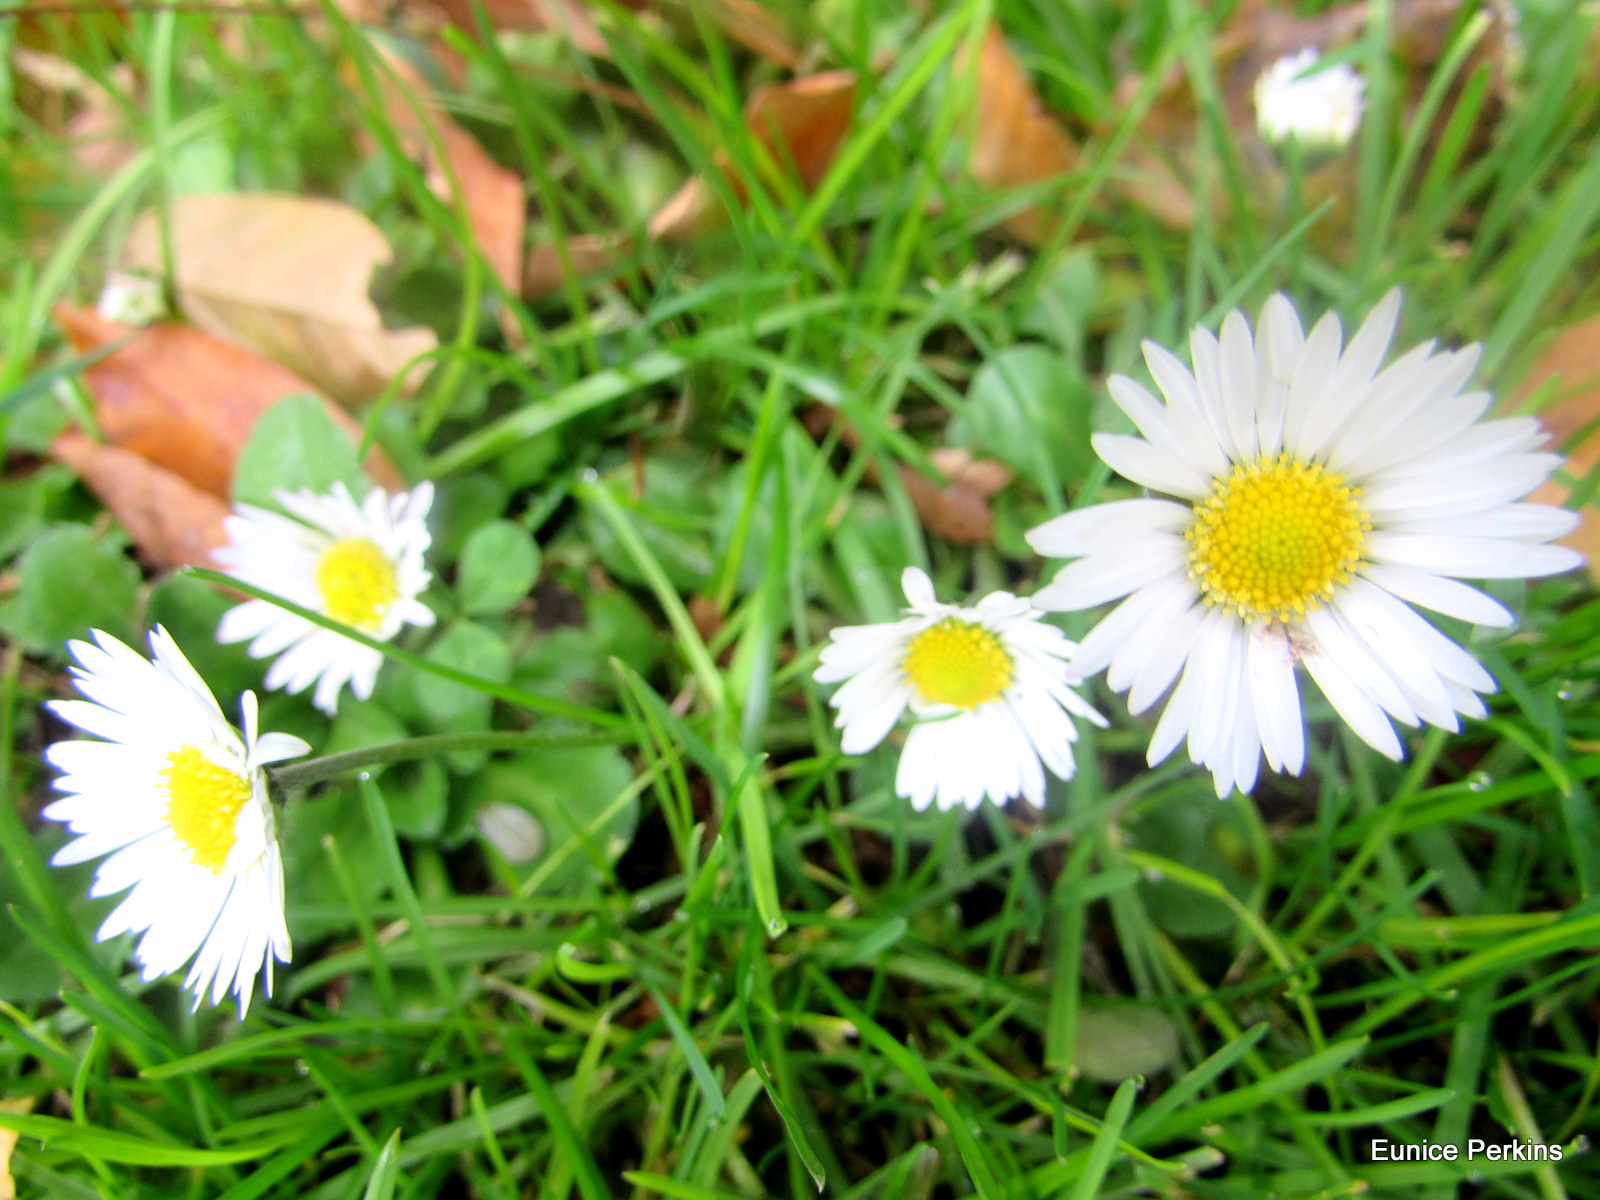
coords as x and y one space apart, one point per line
297 776
549 705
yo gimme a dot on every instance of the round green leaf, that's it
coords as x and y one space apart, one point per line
69 582
1029 408
295 444
498 567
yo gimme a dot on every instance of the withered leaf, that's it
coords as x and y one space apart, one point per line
1014 141
8 1143
800 122
1572 358
563 16
172 522
587 252
958 512
491 196
286 276
186 400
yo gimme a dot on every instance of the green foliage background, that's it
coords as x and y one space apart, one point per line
738 966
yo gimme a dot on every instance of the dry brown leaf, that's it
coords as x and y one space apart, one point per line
981 475
746 21
188 401
491 196
96 132
562 16
588 253
799 122
957 513
758 28
286 276
1572 358
8 1142
1014 141
172 522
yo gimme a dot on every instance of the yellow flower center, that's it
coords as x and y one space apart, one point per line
957 663
1275 538
357 582
203 803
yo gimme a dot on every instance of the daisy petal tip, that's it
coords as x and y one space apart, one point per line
917 588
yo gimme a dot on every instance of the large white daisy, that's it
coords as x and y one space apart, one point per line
177 799
1315 499
988 689
360 564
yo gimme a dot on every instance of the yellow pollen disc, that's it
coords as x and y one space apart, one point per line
957 663
1275 538
203 803
357 582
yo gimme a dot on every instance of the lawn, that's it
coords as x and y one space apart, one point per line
678 332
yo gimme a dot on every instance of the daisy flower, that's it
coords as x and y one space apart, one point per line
1314 499
360 564
987 688
1319 109
178 800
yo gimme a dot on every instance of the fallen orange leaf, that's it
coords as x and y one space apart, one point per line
1014 141
491 196
187 401
286 276
799 122
959 511
561 16
746 21
8 1142
172 522
757 28
1572 359
587 252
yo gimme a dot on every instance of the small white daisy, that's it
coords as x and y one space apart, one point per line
987 688
360 564
1318 109
1315 499
178 800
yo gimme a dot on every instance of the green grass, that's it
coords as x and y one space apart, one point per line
742 967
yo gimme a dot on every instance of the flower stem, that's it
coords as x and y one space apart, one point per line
297 776
549 705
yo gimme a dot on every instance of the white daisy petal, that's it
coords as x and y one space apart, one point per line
1106 526
1185 412
1276 700
1347 493
1448 596
1316 107
918 588
1169 643
1095 580
1156 469
1523 522
361 564
1156 649
181 809
1101 643
988 689
1238 367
